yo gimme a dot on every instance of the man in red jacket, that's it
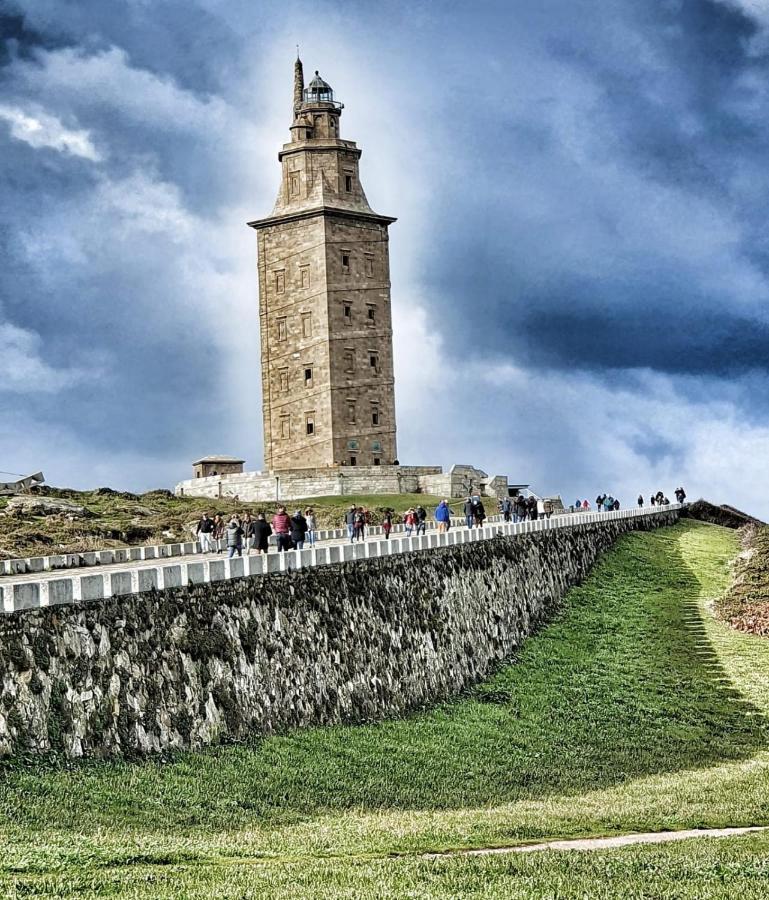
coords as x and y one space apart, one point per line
281 527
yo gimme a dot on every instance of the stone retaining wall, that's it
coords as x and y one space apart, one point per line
349 642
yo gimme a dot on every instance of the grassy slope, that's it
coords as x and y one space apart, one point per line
746 604
633 711
120 519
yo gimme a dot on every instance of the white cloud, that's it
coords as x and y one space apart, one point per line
40 129
108 79
23 368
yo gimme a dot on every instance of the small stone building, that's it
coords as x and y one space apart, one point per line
217 465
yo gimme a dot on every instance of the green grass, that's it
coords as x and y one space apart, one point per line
121 519
634 710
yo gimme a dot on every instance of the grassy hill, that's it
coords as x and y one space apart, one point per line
634 710
117 518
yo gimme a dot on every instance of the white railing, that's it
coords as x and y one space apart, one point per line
145 571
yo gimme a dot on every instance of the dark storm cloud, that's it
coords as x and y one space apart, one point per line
622 207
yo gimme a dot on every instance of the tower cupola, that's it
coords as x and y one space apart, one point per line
318 91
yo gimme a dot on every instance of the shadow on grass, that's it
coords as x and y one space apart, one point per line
622 684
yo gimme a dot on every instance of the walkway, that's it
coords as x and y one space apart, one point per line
47 581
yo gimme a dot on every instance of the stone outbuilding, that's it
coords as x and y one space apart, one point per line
217 465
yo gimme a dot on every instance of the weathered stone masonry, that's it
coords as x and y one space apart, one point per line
345 643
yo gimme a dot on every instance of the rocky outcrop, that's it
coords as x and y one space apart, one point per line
340 643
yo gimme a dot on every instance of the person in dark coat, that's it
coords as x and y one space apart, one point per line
260 534
469 512
479 512
640 500
421 514
298 529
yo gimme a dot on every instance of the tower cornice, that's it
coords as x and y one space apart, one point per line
321 211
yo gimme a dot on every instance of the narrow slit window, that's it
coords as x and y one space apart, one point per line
345 260
348 314
349 361
307 325
282 329
373 361
371 313
280 282
308 376
283 381
374 415
309 423
348 183
285 427
370 266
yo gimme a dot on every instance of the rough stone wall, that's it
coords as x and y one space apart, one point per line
349 643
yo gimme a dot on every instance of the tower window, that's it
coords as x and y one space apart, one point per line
282 328
280 282
306 325
373 361
349 360
304 274
308 376
309 423
374 415
350 412
371 315
285 427
377 461
369 265
345 260
293 183
283 381
348 314
348 183
353 460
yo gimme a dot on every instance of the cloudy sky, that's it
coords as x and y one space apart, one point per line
580 265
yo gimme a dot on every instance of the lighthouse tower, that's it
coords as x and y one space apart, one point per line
324 301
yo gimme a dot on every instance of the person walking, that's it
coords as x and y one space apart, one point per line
409 520
479 511
312 527
298 529
281 526
260 534
349 520
246 525
205 531
387 524
218 532
507 508
469 512
359 524
442 516
421 515
640 500
234 537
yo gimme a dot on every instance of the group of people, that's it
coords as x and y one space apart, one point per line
659 499
603 503
521 509
253 533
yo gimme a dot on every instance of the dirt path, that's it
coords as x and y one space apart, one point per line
604 843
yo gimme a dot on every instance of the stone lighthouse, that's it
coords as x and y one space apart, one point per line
324 301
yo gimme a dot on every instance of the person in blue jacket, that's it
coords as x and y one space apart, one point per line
443 515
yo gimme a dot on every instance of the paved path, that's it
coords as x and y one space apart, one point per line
604 843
